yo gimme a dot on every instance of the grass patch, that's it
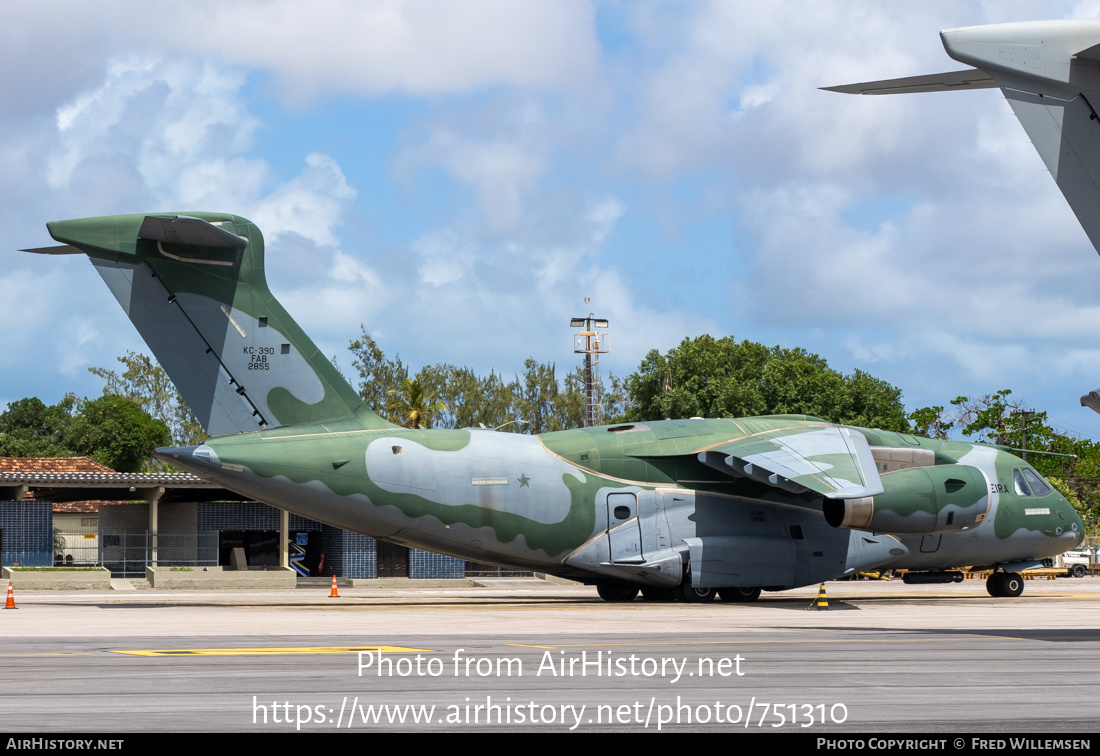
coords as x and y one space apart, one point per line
182 569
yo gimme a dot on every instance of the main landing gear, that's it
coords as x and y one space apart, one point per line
739 594
1005 584
619 591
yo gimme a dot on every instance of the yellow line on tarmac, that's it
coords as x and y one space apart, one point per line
273 651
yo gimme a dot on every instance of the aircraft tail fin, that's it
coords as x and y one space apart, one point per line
194 286
1049 71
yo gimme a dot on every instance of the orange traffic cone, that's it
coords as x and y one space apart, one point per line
334 593
11 598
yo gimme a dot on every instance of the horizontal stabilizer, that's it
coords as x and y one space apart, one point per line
57 249
194 232
971 78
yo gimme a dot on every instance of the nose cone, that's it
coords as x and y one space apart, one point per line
1074 527
1080 529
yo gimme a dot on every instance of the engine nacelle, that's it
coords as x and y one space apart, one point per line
917 501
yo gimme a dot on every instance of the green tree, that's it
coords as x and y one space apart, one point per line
411 406
28 428
708 377
378 376
931 422
617 400
145 383
114 431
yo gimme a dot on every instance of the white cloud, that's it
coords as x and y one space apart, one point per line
419 47
311 204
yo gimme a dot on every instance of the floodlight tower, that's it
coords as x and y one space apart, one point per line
591 344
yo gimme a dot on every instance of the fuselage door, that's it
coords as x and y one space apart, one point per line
624 534
930 544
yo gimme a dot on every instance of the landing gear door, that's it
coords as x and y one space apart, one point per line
648 521
624 534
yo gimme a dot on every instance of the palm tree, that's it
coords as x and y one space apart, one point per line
411 406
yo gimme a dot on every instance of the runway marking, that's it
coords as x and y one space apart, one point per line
273 651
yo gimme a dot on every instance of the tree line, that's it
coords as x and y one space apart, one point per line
700 377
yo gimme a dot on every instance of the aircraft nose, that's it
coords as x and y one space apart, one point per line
1076 525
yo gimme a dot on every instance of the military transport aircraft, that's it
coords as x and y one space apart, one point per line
1049 71
675 508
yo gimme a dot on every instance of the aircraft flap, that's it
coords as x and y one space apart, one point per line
832 461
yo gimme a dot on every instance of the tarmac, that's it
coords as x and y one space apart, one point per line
884 657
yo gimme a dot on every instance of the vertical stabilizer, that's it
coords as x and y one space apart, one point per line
194 287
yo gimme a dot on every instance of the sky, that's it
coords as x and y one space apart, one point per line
458 177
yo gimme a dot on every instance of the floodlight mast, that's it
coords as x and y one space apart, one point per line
591 344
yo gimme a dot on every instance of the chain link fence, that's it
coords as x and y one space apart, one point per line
127 555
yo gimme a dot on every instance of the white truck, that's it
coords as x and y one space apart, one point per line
1077 563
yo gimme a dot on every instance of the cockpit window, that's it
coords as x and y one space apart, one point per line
1018 481
1039 487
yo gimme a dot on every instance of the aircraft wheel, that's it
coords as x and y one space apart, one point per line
1012 584
689 594
995 585
662 595
1078 571
617 592
739 594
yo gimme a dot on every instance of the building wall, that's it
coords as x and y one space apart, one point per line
349 554
28 536
124 518
250 515
426 564
27 532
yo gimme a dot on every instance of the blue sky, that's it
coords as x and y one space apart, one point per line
458 176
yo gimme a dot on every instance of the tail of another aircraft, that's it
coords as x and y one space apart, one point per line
194 287
1049 71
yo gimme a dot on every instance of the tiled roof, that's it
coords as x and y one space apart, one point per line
77 507
51 465
103 479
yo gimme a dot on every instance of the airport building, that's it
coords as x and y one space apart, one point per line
74 511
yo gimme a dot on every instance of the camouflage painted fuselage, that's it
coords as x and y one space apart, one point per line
635 502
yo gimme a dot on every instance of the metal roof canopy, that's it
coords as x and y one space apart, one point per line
60 487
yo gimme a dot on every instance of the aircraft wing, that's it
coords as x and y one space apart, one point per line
831 461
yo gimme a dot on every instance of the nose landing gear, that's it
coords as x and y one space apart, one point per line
1005 584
